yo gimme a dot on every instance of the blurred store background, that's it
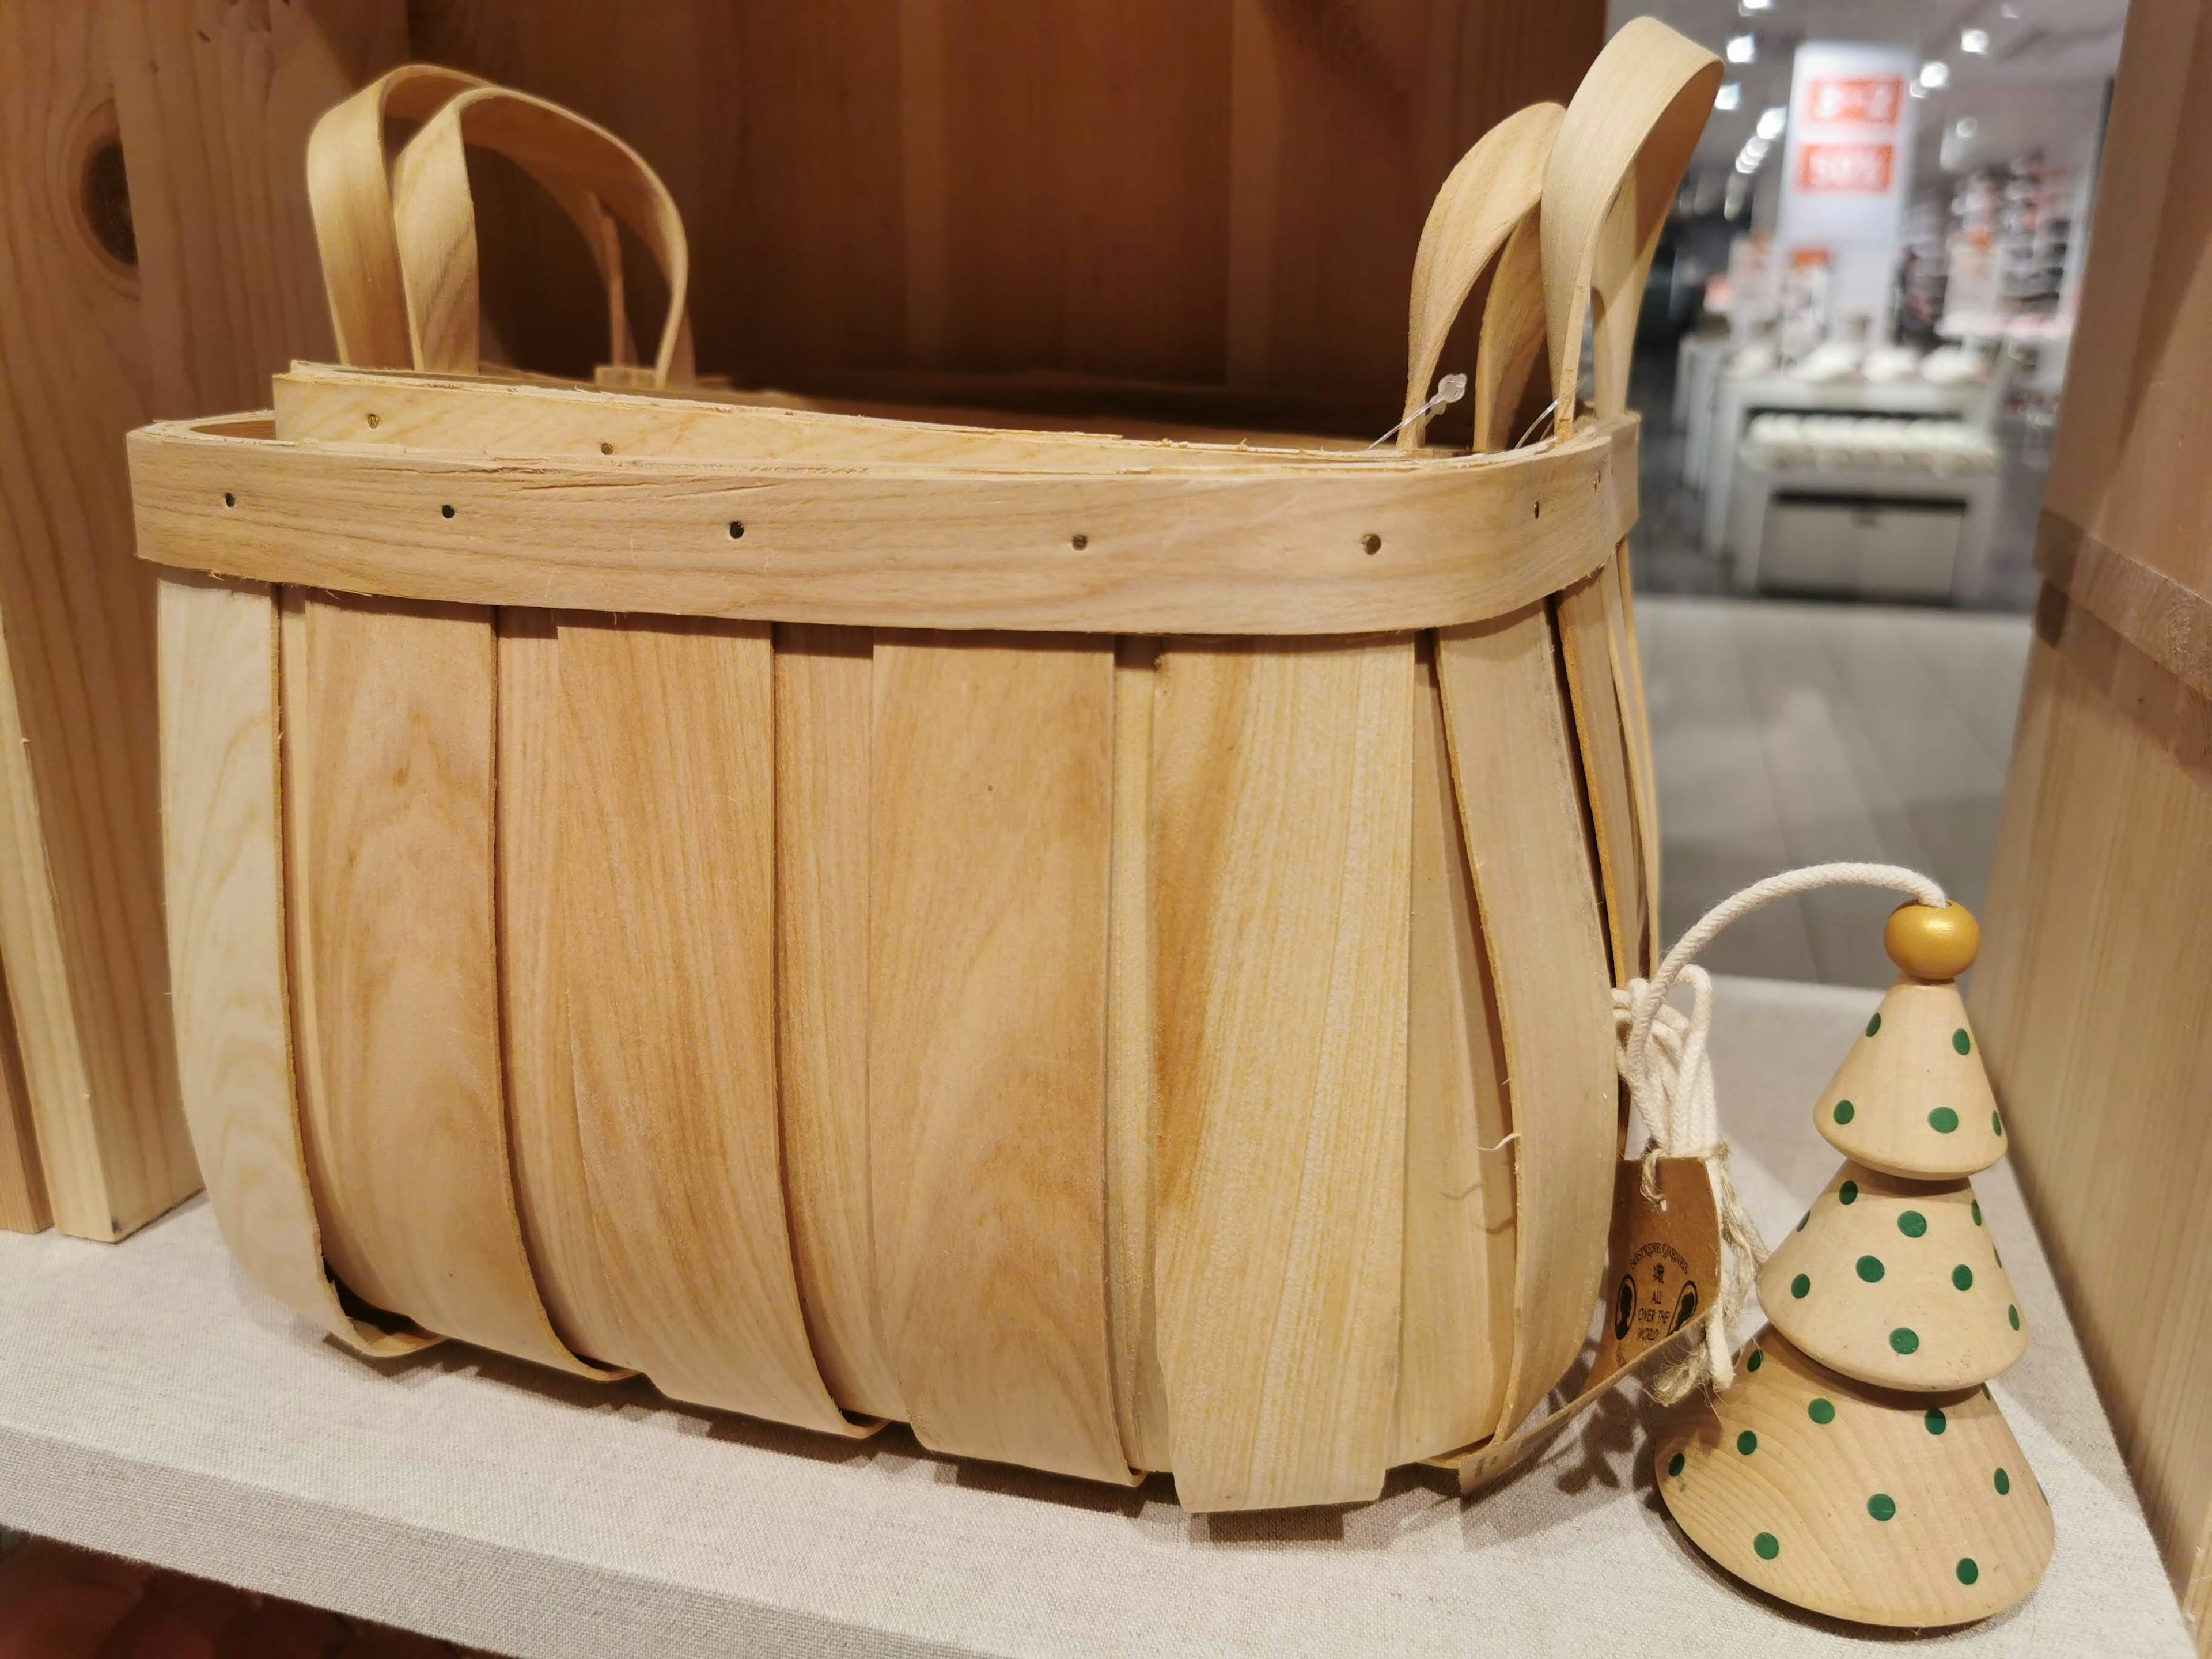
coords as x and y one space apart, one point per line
1849 367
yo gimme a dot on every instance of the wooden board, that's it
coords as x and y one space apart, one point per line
1273 550
989 893
1282 796
388 722
667 969
1175 192
824 711
224 869
1513 767
1456 1340
2092 1003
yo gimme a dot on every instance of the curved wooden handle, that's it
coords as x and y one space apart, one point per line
434 216
1619 157
1492 191
349 196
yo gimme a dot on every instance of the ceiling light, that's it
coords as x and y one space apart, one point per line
1742 48
1918 90
1729 96
1976 41
1966 126
1935 74
1771 121
1750 6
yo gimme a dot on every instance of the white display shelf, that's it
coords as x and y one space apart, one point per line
153 1405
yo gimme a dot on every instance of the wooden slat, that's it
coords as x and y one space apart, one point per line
551 1191
1141 1399
388 721
1282 819
667 968
224 869
990 869
1274 549
1513 767
825 708
1586 644
1456 1339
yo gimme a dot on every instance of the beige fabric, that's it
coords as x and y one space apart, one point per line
152 1403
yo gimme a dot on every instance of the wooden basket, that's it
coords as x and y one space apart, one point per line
1089 945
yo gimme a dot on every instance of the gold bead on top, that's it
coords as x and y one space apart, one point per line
1932 944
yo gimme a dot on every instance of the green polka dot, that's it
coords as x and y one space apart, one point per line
1845 1111
1848 1193
1674 1464
1998 1124
1767 1544
1881 1506
2012 1313
1821 1411
1904 1340
1962 1277
1936 1420
1803 1220
1912 1223
1800 1285
1746 1443
1758 1359
1961 1041
1874 1025
1977 1213
2003 1483
1870 1269
1942 1120
1967 1571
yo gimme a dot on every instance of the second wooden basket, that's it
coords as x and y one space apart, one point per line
1096 948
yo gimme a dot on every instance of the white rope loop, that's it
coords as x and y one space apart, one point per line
1661 1056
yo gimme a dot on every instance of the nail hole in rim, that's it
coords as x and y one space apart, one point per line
446 511
1079 541
606 449
1371 542
229 498
737 530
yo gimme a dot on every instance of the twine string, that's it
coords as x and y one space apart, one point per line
1661 1054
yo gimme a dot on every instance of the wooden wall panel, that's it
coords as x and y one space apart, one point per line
2094 992
1200 192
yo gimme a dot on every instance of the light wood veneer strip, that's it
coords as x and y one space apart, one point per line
23 1181
1520 812
1274 549
388 722
1282 791
824 710
989 895
1586 644
668 965
224 868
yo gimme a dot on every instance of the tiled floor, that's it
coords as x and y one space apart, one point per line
1793 733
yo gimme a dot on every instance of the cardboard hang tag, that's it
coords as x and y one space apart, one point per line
1662 1283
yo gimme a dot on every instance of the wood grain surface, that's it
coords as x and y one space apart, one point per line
1863 1504
1282 801
389 726
989 893
667 968
825 716
224 878
23 1207
1268 550
1520 812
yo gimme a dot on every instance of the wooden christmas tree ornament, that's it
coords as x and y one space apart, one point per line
1858 1465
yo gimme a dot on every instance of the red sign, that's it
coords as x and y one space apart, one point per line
1868 102
1844 169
